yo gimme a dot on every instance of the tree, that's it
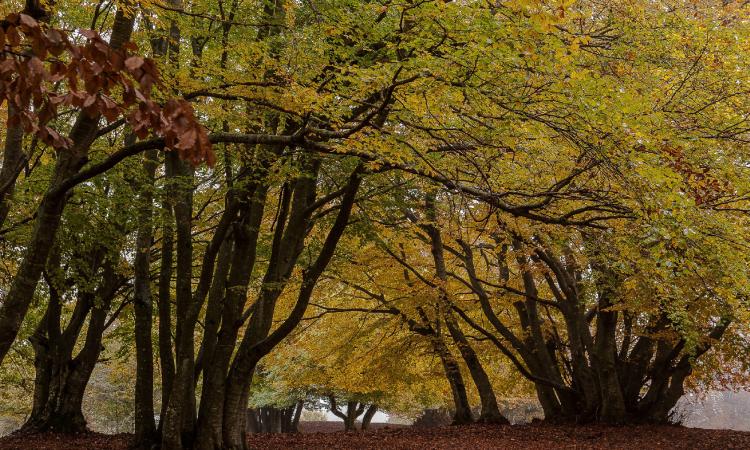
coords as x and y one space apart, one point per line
553 188
99 67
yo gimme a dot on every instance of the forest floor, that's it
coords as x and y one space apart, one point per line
538 436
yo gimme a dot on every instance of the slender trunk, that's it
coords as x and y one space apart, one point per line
256 345
297 416
166 357
12 163
216 300
178 428
145 428
545 393
287 245
490 411
462 414
369 414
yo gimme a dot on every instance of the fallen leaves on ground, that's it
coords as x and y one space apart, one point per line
57 441
537 436
541 436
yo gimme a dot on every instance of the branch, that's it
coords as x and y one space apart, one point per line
158 143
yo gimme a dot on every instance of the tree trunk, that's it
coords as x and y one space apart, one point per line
61 379
234 285
462 414
12 164
490 411
369 414
252 348
270 419
145 428
297 416
22 288
353 410
166 357
179 420
287 245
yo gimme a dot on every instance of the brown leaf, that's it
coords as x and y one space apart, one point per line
28 21
134 63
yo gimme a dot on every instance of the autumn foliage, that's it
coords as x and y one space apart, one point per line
481 212
100 80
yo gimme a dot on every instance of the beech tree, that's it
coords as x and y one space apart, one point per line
529 195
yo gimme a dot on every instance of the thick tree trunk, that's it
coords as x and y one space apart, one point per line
61 410
612 400
233 434
61 379
234 285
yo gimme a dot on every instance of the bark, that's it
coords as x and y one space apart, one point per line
166 356
145 428
61 378
216 297
611 395
257 342
245 237
297 416
16 302
230 284
178 427
462 414
490 411
369 414
285 249
12 164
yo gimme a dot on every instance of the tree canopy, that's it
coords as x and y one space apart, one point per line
385 205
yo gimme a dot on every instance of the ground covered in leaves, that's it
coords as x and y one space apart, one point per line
539 436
